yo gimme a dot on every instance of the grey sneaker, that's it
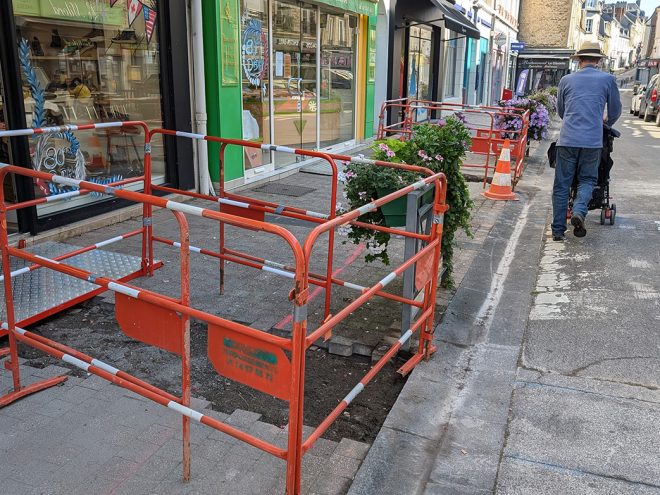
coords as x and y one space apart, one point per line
577 221
558 237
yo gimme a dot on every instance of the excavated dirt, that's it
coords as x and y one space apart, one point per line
91 328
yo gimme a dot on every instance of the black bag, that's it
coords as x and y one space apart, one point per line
552 154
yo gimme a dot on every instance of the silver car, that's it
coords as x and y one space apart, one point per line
636 99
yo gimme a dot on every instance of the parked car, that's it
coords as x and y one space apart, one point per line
648 106
636 99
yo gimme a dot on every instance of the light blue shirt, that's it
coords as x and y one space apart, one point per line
581 101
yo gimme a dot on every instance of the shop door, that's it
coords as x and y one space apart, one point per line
337 90
294 91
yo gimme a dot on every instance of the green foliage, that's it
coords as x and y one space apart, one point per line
547 99
440 147
553 90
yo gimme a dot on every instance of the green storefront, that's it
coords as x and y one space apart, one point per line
289 73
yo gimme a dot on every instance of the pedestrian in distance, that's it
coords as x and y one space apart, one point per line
581 100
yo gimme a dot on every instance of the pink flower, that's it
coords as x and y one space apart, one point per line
386 149
362 195
439 157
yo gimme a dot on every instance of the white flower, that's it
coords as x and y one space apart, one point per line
375 248
344 230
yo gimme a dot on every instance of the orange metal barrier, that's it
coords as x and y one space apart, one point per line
239 352
487 138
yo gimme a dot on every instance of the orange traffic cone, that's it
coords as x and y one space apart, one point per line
500 187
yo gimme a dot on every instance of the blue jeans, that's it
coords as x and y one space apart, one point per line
571 161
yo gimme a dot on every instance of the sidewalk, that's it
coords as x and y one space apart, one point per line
88 436
547 376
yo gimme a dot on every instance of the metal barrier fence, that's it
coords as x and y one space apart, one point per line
487 137
239 352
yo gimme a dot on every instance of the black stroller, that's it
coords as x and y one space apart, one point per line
600 198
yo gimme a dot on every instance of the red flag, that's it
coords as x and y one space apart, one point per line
149 21
134 8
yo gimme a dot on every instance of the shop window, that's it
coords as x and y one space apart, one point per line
84 62
451 64
419 66
254 61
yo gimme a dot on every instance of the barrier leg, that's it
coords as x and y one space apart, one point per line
221 224
328 280
294 450
184 254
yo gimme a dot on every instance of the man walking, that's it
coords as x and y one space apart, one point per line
581 101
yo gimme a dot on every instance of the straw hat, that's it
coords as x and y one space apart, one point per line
589 49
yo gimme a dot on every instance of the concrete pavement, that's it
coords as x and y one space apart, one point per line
547 376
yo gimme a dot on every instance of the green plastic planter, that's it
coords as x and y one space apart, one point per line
395 211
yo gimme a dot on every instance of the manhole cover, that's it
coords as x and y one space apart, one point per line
284 189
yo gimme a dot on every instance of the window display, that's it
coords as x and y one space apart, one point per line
84 62
308 53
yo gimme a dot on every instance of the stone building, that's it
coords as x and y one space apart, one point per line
551 37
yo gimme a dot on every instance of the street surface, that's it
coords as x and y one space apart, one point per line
547 378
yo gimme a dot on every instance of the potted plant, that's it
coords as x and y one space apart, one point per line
539 117
439 146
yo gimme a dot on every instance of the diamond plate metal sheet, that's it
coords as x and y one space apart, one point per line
43 289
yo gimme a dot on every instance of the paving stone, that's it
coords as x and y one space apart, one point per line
55 408
332 485
157 434
448 488
324 447
242 417
343 466
78 394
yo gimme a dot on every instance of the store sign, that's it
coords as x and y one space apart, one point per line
517 47
542 63
72 10
365 7
499 39
229 43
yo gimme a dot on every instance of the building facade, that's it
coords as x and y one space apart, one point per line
649 61
294 74
78 62
546 56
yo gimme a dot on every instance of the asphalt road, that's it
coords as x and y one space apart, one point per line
586 406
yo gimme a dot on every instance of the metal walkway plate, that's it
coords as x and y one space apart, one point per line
38 292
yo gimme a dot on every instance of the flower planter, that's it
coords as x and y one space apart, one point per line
395 211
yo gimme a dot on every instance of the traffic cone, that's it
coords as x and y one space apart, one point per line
500 187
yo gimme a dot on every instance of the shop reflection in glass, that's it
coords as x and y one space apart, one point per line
90 62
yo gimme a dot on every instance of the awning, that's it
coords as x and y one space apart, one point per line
456 21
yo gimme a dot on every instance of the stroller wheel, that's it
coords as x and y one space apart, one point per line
603 215
612 214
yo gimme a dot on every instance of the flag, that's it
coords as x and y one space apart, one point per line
134 7
149 21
